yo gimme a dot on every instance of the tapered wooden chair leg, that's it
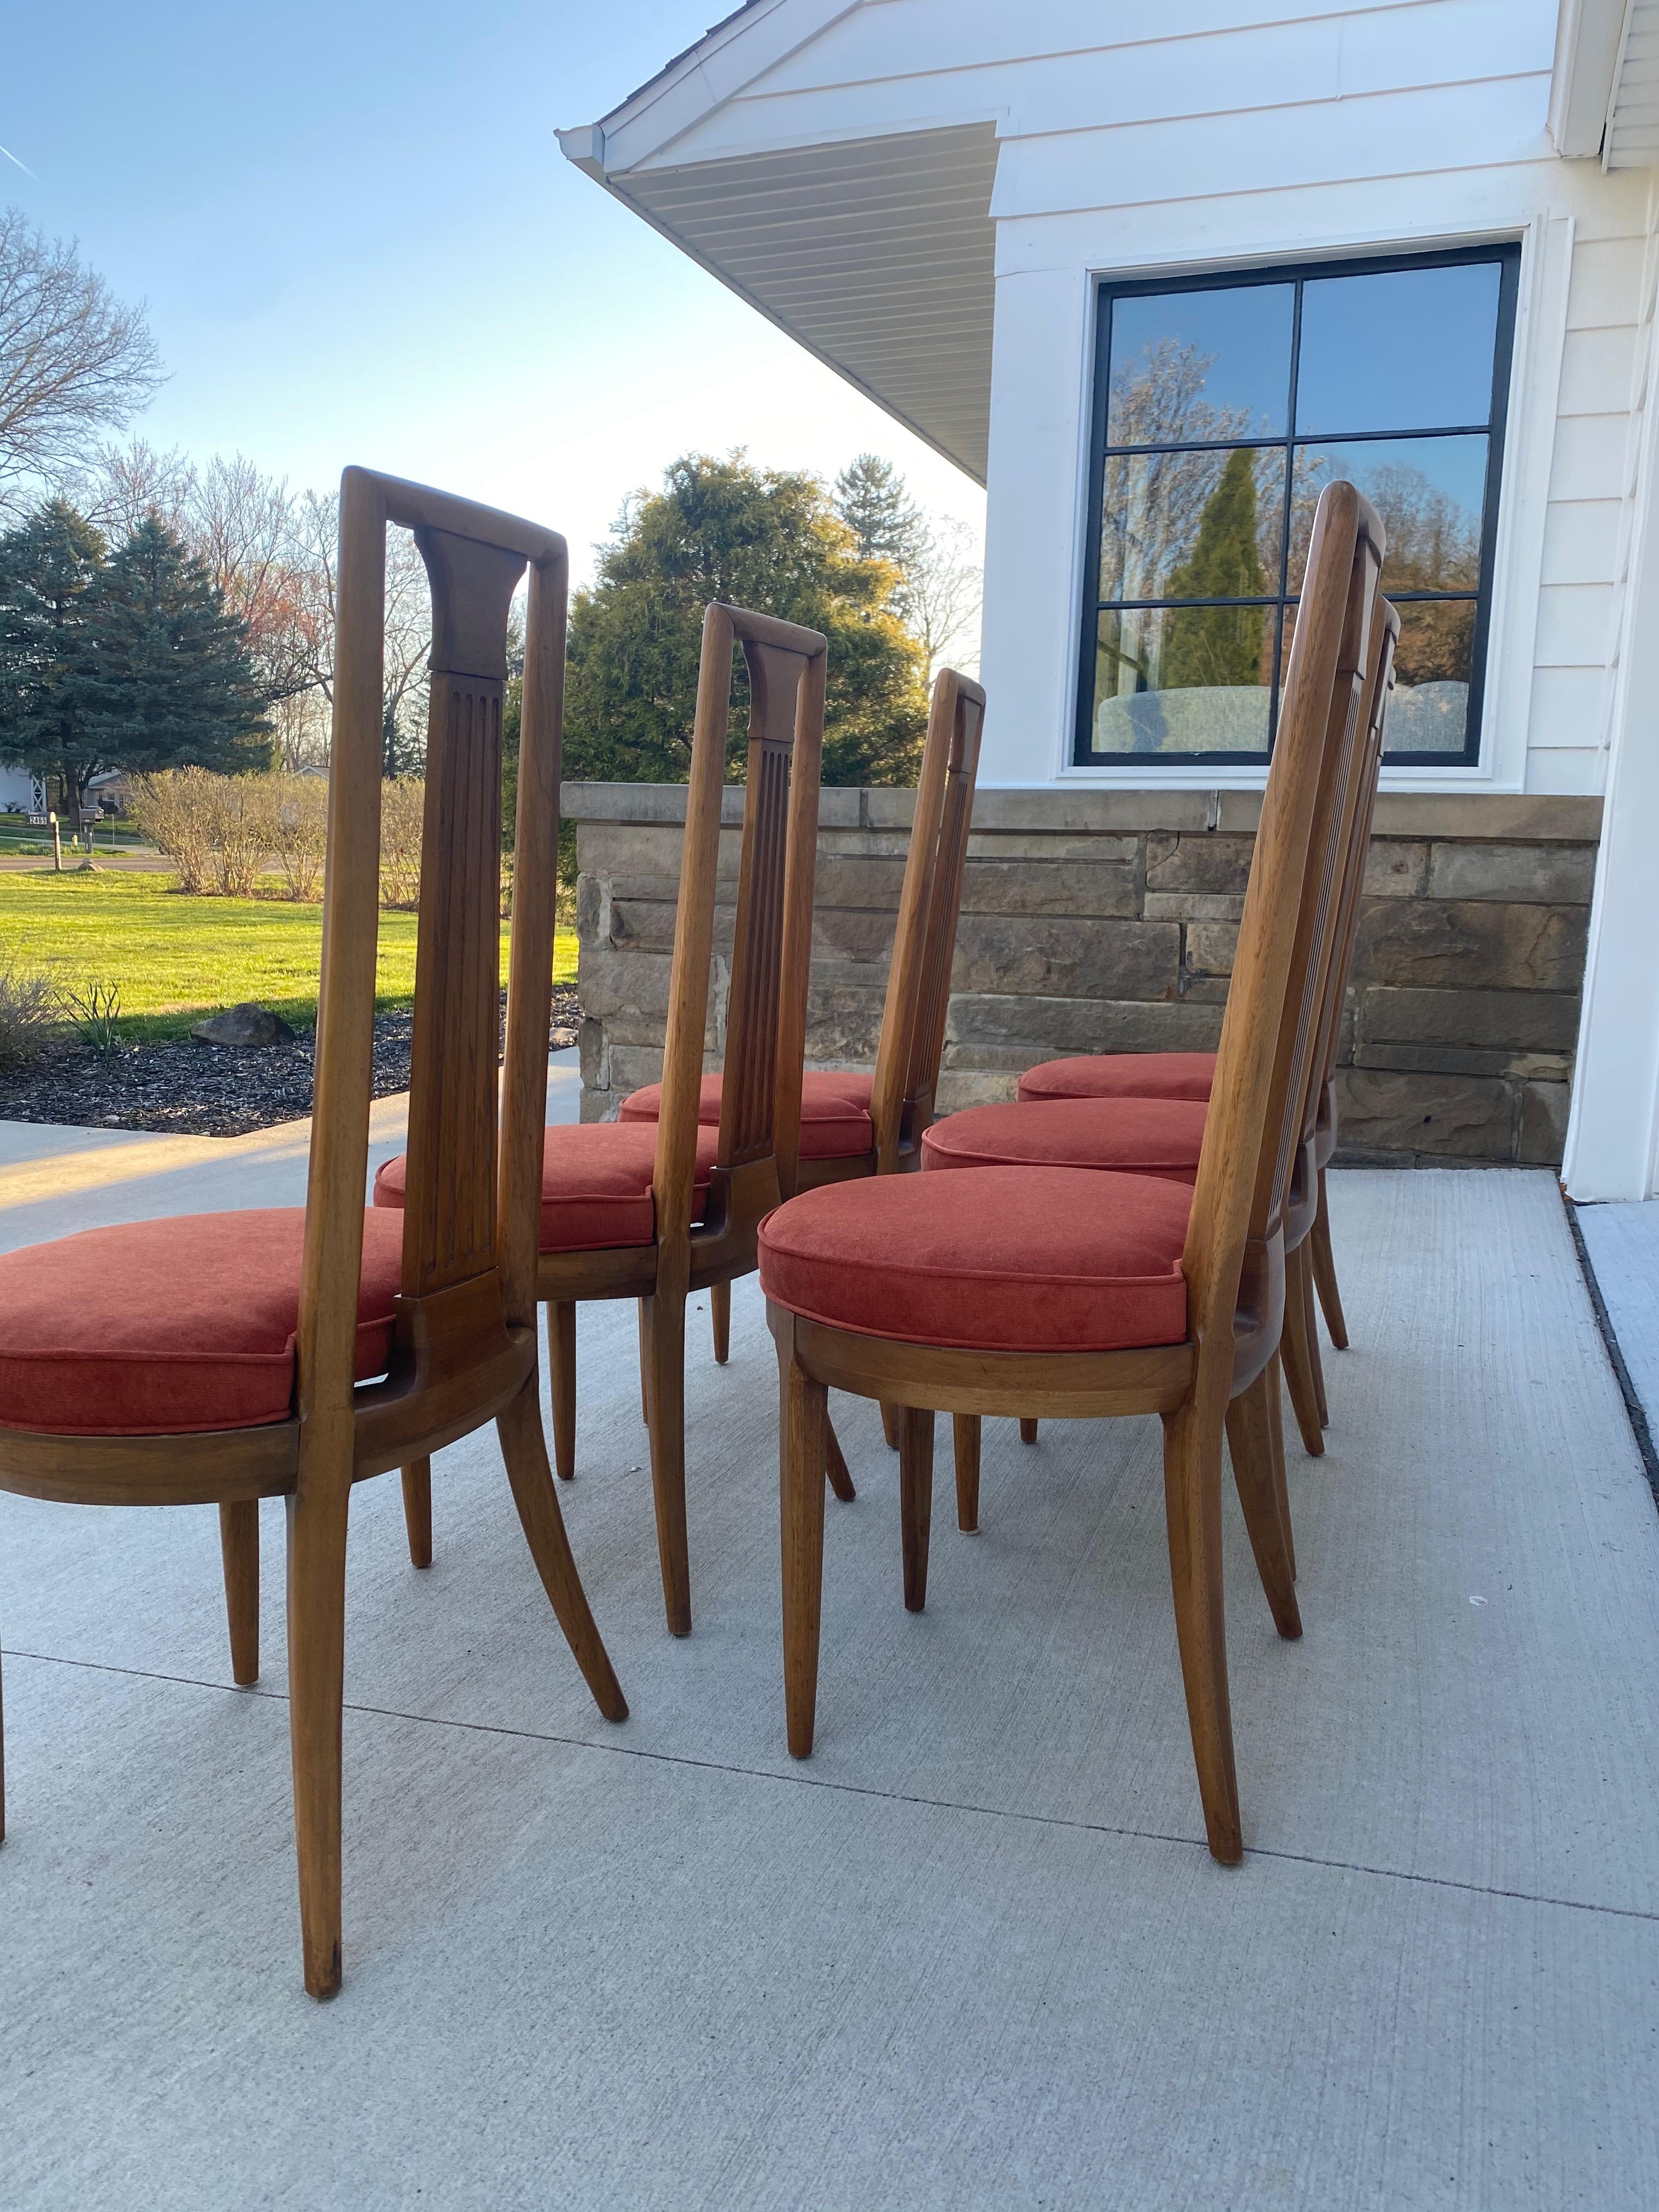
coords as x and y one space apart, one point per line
1293 1347
1275 1403
1250 1445
835 1467
801 1423
524 1450
719 1316
1310 1337
916 1501
417 1510
665 1334
1192 1497
1324 1272
317 1517
891 1419
1027 1432
239 1543
644 1361
562 1383
965 1445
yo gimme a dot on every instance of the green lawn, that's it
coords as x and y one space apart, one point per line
176 959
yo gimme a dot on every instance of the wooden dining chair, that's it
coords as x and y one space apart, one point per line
1076 1292
1142 1131
656 1210
221 1359
1188 1076
856 1123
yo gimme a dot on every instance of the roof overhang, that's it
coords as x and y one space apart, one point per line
1604 94
877 254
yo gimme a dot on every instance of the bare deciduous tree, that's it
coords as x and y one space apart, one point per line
74 359
944 585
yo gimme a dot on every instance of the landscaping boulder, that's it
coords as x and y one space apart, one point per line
247 1024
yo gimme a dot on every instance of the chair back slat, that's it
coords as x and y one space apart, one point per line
934 1002
766 1000
1267 1031
474 557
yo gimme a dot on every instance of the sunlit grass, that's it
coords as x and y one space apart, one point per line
176 959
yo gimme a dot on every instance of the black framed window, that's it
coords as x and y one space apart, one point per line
1222 405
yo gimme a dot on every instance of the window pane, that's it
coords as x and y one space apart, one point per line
1430 711
1192 525
1182 680
1429 492
1409 350
1190 366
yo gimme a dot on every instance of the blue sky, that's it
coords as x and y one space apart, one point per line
359 241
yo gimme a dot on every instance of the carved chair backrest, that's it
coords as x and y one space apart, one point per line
1269 1030
912 1039
461 1219
759 1139
1379 690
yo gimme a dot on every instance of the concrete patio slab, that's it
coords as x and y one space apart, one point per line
973 1952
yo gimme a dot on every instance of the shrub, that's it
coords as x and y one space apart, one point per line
29 1014
300 832
243 817
174 809
403 804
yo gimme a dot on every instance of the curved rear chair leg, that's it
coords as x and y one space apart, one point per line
562 1383
1192 1499
891 1416
1250 1445
916 1501
965 1445
523 1448
1027 1432
317 1516
719 1316
645 1362
665 1334
802 1416
835 1467
1275 1406
1310 1335
239 1543
1293 1347
1324 1272
417 1510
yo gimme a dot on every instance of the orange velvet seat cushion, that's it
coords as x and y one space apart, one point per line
1121 1075
596 1184
1140 1136
161 1327
835 1112
990 1259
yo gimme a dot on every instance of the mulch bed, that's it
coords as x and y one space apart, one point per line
193 1090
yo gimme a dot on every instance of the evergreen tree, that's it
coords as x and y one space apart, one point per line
173 685
763 538
886 523
50 569
1206 646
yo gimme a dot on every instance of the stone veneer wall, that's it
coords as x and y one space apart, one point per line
1098 921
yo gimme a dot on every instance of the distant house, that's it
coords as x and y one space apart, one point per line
1153 279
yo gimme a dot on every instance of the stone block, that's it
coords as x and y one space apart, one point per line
593 910
632 1067
1531 1021
1201 863
958 1090
997 1030
1013 845
1210 948
1471 945
1091 958
1544 1122
1395 868
851 934
594 1057
1451 1116
843 1022
1072 887
1465 1060
1539 875
608 981
853 879
597 1105
1192 906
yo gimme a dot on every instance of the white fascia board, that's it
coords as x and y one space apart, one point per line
721 64
1587 47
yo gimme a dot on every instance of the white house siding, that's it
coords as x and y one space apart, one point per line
1123 133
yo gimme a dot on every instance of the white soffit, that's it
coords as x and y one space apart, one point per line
1604 96
1632 139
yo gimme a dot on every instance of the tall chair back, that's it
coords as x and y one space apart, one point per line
1268 1031
912 1039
